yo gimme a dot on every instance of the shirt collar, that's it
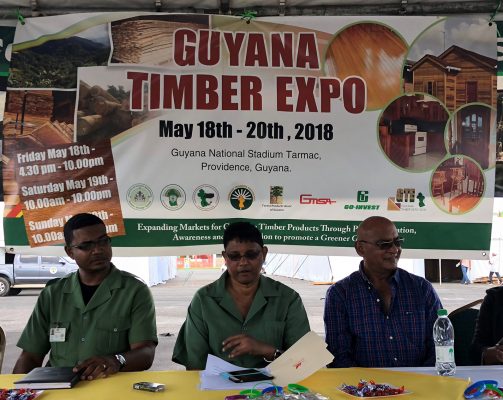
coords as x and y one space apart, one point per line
395 277
266 287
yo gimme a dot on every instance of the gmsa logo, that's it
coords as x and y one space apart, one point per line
310 199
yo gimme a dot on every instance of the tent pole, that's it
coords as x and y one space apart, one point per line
297 270
440 270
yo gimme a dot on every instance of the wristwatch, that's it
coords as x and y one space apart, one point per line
122 361
276 354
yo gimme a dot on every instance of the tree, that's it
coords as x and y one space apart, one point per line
275 193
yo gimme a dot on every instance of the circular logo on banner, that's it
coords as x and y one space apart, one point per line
241 197
205 197
140 196
173 197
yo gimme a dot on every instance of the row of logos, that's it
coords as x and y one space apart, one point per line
241 197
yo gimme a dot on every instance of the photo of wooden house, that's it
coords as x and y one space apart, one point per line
456 77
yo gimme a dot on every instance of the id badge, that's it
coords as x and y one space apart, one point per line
57 335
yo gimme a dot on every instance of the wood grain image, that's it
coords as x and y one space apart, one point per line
372 51
149 40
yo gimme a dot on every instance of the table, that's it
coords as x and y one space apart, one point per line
184 384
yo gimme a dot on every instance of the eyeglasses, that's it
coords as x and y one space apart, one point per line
249 255
92 244
386 244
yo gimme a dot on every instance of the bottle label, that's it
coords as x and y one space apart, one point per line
444 354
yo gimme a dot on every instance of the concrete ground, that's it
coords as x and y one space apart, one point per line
173 297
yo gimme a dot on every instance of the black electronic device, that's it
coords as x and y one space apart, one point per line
248 375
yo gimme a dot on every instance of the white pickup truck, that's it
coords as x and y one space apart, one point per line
28 272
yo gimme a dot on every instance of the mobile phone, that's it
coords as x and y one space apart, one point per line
149 386
248 375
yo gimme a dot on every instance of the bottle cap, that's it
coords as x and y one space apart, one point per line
442 312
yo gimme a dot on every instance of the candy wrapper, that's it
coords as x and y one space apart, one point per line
287 396
19 394
372 389
290 396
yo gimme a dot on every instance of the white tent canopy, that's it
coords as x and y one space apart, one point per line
332 269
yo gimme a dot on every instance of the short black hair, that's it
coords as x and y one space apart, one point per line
244 232
79 221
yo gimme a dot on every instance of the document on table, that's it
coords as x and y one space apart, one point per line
211 378
305 357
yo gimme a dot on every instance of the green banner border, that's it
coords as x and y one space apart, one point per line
418 235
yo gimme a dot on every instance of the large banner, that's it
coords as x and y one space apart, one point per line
7 29
170 126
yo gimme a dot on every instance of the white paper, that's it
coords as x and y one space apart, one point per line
304 358
212 380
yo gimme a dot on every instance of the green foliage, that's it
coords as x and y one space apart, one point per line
54 64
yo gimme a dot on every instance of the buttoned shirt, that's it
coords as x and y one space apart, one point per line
276 317
121 312
359 332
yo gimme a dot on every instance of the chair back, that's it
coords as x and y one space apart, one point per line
2 347
463 320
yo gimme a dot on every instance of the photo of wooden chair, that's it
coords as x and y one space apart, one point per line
475 184
437 184
457 180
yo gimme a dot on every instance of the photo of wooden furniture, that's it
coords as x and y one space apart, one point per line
412 132
437 184
457 185
457 179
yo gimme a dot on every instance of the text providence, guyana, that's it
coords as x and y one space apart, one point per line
251 154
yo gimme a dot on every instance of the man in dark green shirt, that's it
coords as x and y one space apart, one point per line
98 320
243 317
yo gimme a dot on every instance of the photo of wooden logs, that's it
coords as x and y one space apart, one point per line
101 115
39 118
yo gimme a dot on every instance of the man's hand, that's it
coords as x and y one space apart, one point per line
493 355
97 367
244 344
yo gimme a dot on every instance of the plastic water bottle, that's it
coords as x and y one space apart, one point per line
443 336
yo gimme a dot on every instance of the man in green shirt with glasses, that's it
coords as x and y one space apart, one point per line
99 320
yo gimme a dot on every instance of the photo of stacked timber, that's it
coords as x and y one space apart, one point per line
37 118
100 115
149 40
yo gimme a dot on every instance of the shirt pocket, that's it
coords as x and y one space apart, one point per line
413 326
113 336
60 349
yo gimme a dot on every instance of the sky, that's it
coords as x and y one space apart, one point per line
473 34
